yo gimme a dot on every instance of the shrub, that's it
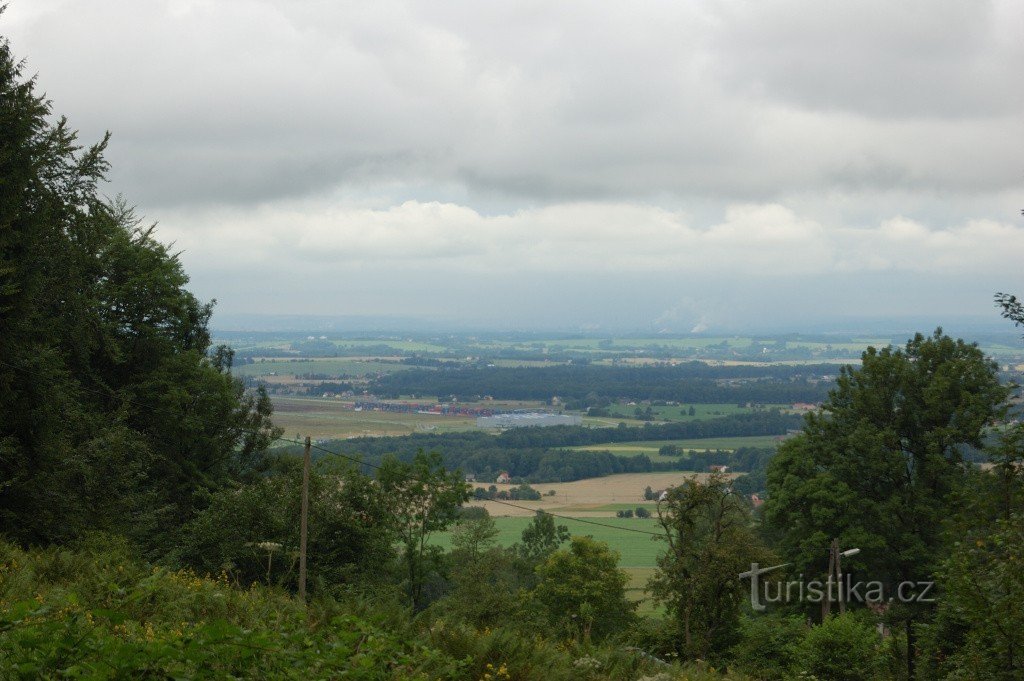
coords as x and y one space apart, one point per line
768 645
842 648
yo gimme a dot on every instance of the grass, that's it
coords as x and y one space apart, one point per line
635 550
340 366
322 418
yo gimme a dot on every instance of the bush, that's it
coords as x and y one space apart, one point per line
768 646
99 614
842 648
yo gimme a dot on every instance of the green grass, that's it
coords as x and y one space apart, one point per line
323 418
330 366
636 550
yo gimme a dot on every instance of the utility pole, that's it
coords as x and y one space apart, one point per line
304 521
835 569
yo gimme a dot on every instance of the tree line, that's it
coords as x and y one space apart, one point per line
688 382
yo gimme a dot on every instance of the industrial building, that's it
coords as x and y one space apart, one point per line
524 420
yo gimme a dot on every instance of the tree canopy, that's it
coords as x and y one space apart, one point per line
114 417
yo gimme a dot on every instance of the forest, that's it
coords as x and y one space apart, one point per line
148 528
688 382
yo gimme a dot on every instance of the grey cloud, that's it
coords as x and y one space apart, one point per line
254 101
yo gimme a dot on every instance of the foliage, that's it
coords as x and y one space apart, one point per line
99 614
582 590
842 648
881 467
983 594
768 646
541 538
114 417
709 542
422 497
251 532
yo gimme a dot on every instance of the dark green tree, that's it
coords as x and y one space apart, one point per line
114 418
541 538
710 541
881 466
582 589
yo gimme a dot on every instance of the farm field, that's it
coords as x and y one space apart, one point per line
589 498
638 552
340 366
320 418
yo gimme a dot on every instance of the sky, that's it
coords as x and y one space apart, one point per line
595 166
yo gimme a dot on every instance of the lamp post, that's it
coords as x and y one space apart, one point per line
835 568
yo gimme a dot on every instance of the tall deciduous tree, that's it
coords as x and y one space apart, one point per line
710 542
424 498
880 466
582 589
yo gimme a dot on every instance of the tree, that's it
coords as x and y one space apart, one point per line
582 589
114 417
843 648
423 498
710 542
351 536
881 465
541 537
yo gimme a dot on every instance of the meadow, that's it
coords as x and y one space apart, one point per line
331 366
325 418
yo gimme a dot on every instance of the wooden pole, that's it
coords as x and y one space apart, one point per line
304 521
826 604
839 577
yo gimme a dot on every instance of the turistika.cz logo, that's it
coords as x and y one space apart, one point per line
835 590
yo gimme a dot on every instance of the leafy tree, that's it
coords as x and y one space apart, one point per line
881 466
541 537
582 589
423 498
843 648
710 542
486 581
983 593
351 536
768 646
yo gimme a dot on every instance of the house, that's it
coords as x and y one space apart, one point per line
470 477
716 468
504 478
756 500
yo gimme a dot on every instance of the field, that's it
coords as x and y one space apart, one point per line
589 498
322 418
333 366
595 499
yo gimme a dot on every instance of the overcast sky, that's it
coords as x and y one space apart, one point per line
631 166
